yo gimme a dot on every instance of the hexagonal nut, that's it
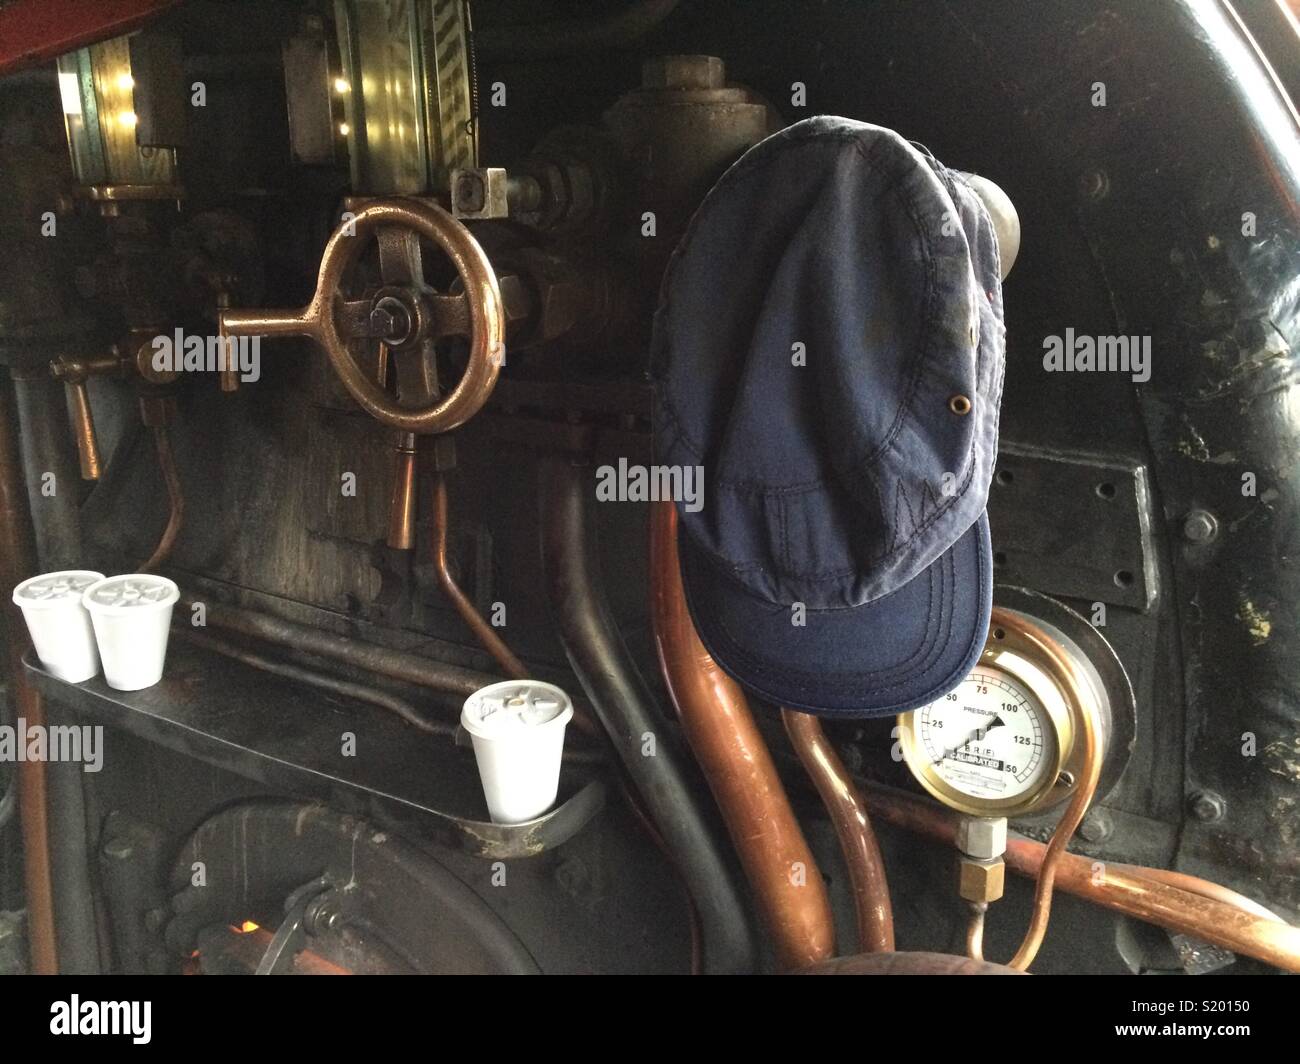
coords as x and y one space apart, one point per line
683 72
564 303
479 192
517 299
982 837
981 880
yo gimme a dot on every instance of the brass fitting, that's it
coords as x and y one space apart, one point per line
981 881
401 510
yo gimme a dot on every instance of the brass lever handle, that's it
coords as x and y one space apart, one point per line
83 429
415 312
73 373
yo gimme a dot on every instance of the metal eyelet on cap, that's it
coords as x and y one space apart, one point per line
959 405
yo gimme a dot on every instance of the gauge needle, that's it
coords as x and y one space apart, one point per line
978 733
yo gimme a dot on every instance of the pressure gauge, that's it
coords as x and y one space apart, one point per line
1007 740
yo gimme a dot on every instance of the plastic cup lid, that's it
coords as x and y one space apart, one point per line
118 594
515 708
55 589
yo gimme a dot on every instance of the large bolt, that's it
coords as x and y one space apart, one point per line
390 320
322 915
1207 806
1097 826
1200 526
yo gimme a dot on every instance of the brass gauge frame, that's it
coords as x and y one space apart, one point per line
1033 657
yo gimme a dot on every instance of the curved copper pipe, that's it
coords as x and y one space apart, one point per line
1133 891
483 632
848 813
1074 812
718 724
175 499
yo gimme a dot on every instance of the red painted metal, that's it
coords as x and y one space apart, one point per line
33 32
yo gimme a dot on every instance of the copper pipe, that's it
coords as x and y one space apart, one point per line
228 371
1074 812
401 509
17 562
716 718
904 963
1203 887
975 930
1133 892
848 813
483 632
175 499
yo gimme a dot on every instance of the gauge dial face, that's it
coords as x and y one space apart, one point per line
991 739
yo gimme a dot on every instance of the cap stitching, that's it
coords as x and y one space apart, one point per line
925 652
839 687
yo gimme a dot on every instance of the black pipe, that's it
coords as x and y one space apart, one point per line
619 695
76 922
312 678
385 661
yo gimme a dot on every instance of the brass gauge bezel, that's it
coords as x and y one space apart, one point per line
1034 660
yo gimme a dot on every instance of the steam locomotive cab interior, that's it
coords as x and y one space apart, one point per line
347 332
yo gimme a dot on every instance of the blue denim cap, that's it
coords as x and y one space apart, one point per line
840 563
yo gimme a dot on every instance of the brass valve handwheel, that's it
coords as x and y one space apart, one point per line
422 316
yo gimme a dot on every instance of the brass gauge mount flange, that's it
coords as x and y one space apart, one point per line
1006 741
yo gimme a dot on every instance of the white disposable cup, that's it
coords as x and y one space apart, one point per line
132 616
58 622
518 731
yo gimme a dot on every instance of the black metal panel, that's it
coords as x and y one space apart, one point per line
1073 525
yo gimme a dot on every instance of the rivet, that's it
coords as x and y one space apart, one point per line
959 405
